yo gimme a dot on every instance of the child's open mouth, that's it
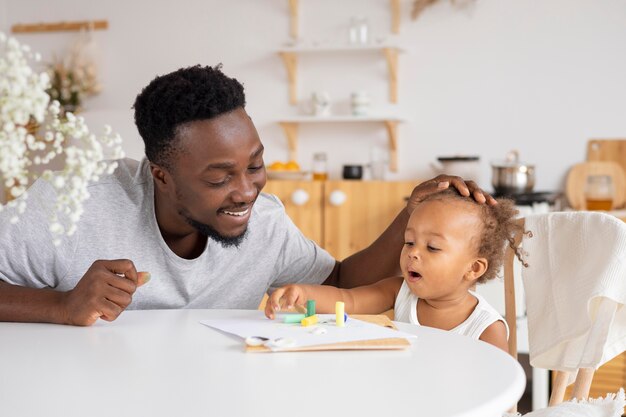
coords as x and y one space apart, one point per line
414 275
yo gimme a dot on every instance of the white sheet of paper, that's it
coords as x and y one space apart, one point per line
354 330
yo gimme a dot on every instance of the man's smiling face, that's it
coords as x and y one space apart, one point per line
218 174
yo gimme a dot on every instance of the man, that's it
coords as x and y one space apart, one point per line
192 214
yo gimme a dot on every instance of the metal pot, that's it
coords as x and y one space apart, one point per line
511 177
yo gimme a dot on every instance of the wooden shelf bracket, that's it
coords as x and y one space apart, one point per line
291 64
395 16
392 132
293 14
291 131
392 62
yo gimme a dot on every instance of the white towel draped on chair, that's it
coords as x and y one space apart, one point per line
611 405
576 275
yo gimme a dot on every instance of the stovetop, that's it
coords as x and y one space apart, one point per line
528 199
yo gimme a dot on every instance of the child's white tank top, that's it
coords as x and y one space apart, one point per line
405 310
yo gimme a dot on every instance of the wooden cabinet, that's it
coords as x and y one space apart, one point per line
342 216
307 215
368 209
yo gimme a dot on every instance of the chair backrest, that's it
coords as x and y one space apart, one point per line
509 289
605 315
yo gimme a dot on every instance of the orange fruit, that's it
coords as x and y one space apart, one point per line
278 166
292 166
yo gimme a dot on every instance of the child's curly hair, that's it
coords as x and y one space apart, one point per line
498 229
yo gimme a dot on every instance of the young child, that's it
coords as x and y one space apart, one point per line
451 244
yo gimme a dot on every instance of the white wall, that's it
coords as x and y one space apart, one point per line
539 76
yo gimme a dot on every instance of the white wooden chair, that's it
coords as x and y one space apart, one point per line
601 311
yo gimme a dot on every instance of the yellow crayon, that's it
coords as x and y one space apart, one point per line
308 321
339 314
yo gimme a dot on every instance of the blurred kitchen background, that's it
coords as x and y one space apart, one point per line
476 78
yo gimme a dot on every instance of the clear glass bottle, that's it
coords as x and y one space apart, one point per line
358 30
320 166
599 192
363 30
353 30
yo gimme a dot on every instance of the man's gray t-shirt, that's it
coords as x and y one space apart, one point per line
119 223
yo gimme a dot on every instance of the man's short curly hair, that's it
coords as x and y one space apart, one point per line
182 96
498 228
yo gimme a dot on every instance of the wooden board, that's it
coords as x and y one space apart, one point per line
612 150
379 344
577 179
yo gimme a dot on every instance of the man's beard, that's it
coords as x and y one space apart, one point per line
211 233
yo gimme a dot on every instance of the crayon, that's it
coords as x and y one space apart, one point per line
310 308
293 318
340 314
309 321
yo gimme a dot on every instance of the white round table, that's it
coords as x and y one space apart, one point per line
165 363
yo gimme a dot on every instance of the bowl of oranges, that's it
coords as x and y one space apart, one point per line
289 170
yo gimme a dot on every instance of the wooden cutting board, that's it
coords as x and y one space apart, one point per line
379 344
613 150
577 179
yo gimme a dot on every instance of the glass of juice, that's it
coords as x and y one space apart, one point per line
599 192
320 169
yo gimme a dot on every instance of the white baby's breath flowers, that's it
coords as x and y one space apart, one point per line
24 103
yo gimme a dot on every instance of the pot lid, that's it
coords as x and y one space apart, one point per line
457 158
511 161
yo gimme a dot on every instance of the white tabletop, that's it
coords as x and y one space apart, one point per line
164 363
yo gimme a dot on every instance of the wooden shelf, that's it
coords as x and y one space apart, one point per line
72 26
290 59
290 127
340 48
339 119
294 13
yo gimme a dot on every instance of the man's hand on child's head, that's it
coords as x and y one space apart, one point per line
443 182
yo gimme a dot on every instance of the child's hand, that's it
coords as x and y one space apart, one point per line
285 298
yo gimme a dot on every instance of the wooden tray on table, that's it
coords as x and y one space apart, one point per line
378 344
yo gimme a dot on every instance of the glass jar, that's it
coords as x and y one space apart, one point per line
360 103
358 30
378 163
599 192
320 167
